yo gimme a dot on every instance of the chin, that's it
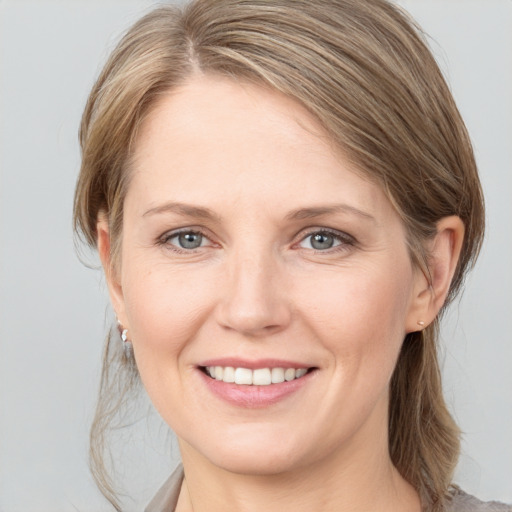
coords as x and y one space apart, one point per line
253 453
257 464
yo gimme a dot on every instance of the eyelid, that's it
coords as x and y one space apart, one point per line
345 238
165 237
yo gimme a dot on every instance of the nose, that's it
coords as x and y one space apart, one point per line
254 297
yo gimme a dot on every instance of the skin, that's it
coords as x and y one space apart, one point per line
257 288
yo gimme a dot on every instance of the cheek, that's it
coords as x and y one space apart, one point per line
165 305
166 309
360 315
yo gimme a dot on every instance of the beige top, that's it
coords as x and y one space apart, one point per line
166 498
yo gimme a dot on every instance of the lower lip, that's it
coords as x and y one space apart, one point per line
254 397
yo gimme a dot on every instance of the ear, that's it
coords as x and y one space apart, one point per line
111 272
430 291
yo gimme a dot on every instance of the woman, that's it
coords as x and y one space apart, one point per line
284 199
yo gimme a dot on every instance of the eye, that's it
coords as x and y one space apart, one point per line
187 240
324 240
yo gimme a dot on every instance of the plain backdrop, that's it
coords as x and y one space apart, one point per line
53 310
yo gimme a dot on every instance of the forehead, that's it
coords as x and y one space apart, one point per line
213 140
211 111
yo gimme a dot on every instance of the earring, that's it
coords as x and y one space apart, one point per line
421 323
127 344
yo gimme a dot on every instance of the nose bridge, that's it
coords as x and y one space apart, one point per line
254 301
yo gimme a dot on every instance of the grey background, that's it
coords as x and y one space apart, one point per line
53 312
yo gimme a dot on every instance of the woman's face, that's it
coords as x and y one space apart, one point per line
250 249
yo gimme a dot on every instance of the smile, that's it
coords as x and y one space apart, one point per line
256 377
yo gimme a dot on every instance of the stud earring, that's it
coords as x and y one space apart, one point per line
127 344
421 323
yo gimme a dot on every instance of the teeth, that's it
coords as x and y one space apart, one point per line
243 376
229 374
262 377
289 374
277 375
258 377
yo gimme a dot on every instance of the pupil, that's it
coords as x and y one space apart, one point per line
322 241
190 240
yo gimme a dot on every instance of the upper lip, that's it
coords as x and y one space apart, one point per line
236 362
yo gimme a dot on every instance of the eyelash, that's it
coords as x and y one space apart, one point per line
344 240
164 240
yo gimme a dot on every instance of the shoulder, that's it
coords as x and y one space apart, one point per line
462 502
167 496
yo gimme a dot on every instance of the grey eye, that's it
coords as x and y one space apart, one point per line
321 241
189 240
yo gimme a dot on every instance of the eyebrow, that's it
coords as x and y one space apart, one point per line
186 210
299 214
318 211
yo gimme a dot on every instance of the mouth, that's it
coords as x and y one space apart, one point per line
255 384
254 377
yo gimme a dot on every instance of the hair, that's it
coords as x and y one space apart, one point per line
364 70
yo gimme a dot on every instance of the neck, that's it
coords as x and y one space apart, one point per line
349 481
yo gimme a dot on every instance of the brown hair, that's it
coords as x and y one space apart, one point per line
363 69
